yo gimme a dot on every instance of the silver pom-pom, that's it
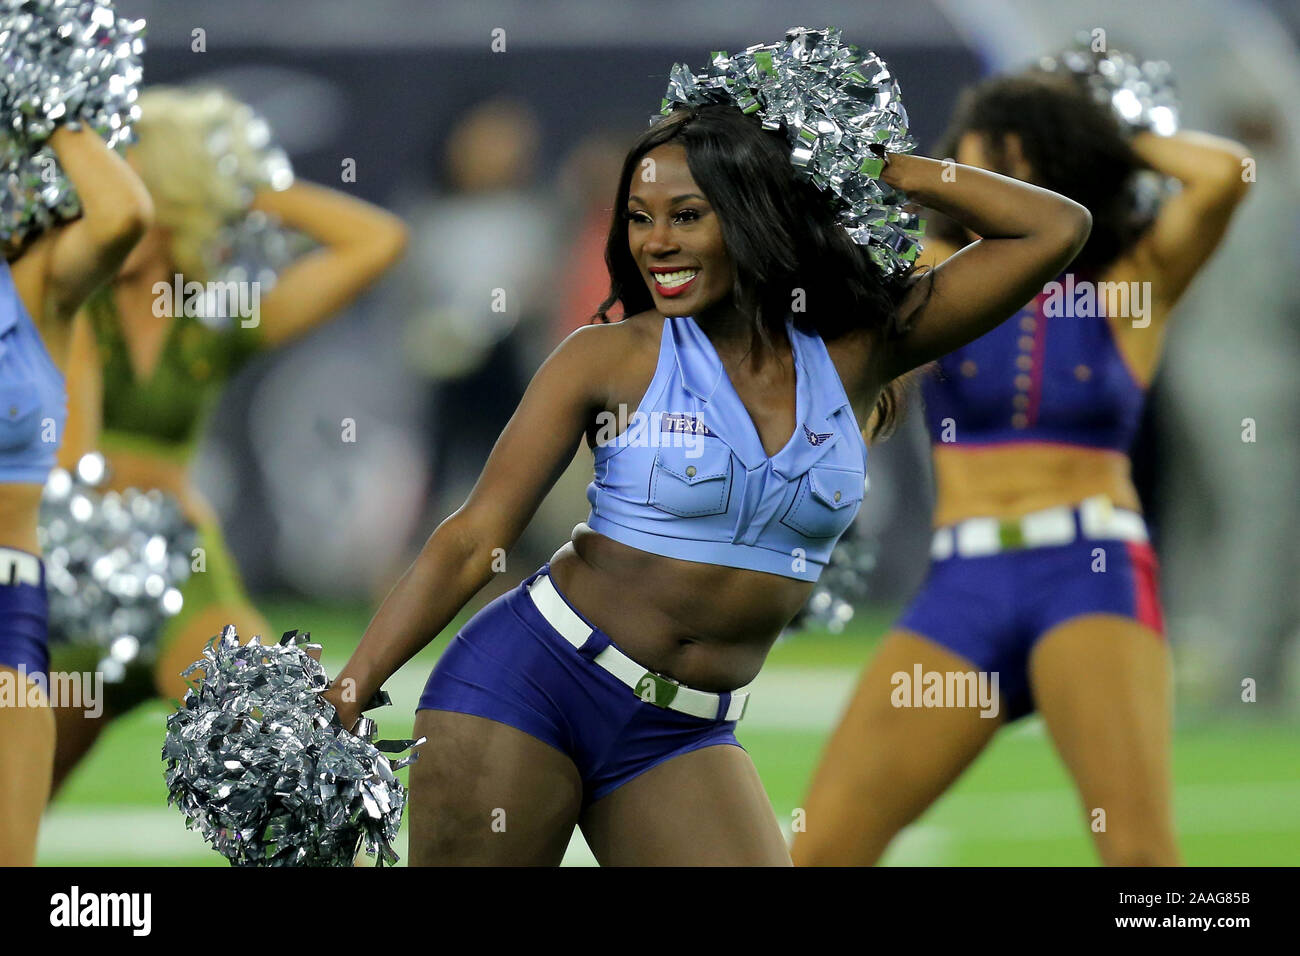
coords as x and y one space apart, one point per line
1141 94
258 761
843 585
114 564
239 139
255 248
840 112
250 246
65 62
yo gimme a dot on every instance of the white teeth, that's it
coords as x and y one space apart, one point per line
671 280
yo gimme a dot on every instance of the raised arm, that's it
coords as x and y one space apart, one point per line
1028 235
360 243
84 375
1191 223
87 252
536 446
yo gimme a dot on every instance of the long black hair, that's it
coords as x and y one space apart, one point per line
1073 144
780 234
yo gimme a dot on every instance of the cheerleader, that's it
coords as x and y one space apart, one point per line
603 691
41 288
1042 572
146 381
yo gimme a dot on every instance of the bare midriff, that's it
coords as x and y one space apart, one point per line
707 626
132 467
19 507
1009 481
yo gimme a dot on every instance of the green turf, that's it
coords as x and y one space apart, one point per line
1237 785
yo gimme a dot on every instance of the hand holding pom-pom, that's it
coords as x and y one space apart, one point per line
261 764
1141 93
63 63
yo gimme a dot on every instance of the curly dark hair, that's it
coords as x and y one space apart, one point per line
780 233
1074 145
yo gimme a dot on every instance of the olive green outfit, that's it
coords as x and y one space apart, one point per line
162 417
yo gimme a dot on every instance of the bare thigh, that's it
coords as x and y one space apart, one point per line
704 808
884 764
485 793
1103 685
187 646
75 734
26 762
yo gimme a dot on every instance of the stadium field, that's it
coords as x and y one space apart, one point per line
1237 784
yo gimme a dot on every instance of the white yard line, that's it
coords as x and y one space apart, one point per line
159 835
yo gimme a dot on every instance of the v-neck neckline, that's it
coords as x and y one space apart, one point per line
800 392
143 381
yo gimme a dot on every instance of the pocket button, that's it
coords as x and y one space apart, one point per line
823 507
695 487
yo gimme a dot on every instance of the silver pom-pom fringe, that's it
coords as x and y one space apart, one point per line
254 248
64 62
115 564
251 246
259 762
1141 94
840 112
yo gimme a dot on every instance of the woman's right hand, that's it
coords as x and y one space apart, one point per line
349 711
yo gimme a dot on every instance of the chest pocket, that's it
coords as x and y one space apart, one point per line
20 414
692 482
826 502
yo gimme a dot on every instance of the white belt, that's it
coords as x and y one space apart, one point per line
1098 519
650 687
19 567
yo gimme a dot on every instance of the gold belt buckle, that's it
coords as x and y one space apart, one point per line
656 689
1011 535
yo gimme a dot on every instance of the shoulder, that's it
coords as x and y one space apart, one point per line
612 358
615 343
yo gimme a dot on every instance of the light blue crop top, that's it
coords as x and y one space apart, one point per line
33 399
687 476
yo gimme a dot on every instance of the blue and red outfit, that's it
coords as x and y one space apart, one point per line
996 587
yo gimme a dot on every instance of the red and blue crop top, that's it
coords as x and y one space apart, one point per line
688 476
1038 377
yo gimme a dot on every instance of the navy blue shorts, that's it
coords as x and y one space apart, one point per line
24 627
510 665
993 609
